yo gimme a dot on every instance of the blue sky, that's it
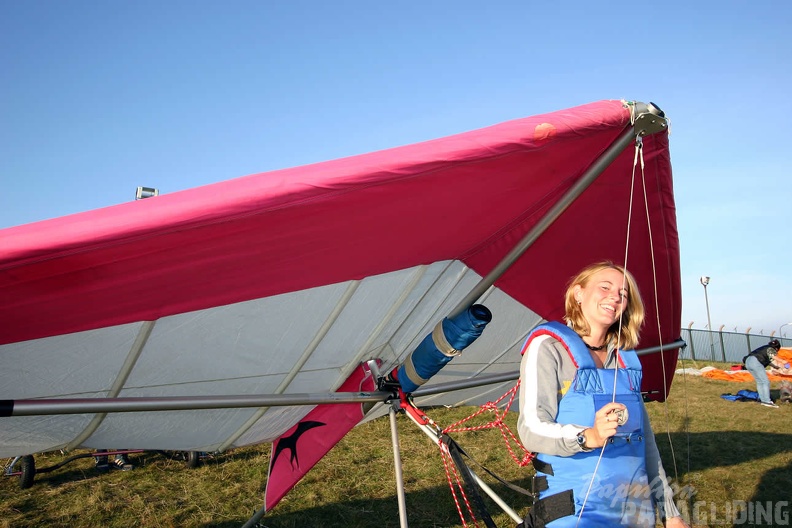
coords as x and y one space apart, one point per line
99 97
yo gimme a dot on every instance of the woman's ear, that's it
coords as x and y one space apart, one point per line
578 293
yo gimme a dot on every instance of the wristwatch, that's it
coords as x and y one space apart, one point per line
581 440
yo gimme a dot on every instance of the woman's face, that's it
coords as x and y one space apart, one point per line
604 297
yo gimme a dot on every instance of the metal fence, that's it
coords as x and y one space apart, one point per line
729 347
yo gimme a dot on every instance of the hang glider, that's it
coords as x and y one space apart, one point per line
276 285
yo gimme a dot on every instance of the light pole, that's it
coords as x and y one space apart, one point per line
782 326
704 282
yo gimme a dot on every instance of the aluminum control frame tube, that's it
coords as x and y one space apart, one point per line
166 403
435 438
397 466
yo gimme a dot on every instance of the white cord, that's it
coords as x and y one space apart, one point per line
657 316
638 153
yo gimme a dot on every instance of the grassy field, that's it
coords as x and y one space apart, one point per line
729 454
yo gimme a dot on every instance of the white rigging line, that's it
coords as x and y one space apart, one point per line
638 154
659 333
640 158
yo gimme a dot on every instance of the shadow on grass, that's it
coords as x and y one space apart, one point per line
53 473
434 507
697 452
775 486
700 451
427 508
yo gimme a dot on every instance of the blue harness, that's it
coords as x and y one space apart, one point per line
619 494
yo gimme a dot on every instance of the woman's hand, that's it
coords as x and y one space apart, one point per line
676 522
605 423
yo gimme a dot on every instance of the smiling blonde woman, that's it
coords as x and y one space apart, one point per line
582 412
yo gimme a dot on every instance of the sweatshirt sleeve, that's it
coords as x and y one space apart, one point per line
662 493
545 373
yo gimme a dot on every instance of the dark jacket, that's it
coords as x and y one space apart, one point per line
764 354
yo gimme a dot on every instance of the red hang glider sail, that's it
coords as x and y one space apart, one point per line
283 282
302 446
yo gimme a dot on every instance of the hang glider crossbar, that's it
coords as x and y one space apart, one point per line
37 407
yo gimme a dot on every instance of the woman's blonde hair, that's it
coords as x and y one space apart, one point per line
631 318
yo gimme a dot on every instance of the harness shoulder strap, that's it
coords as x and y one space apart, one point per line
568 338
630 360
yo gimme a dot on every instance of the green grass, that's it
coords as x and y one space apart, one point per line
724 451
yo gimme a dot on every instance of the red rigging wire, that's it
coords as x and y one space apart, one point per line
453 477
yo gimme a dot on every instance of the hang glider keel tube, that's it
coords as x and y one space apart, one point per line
102 405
